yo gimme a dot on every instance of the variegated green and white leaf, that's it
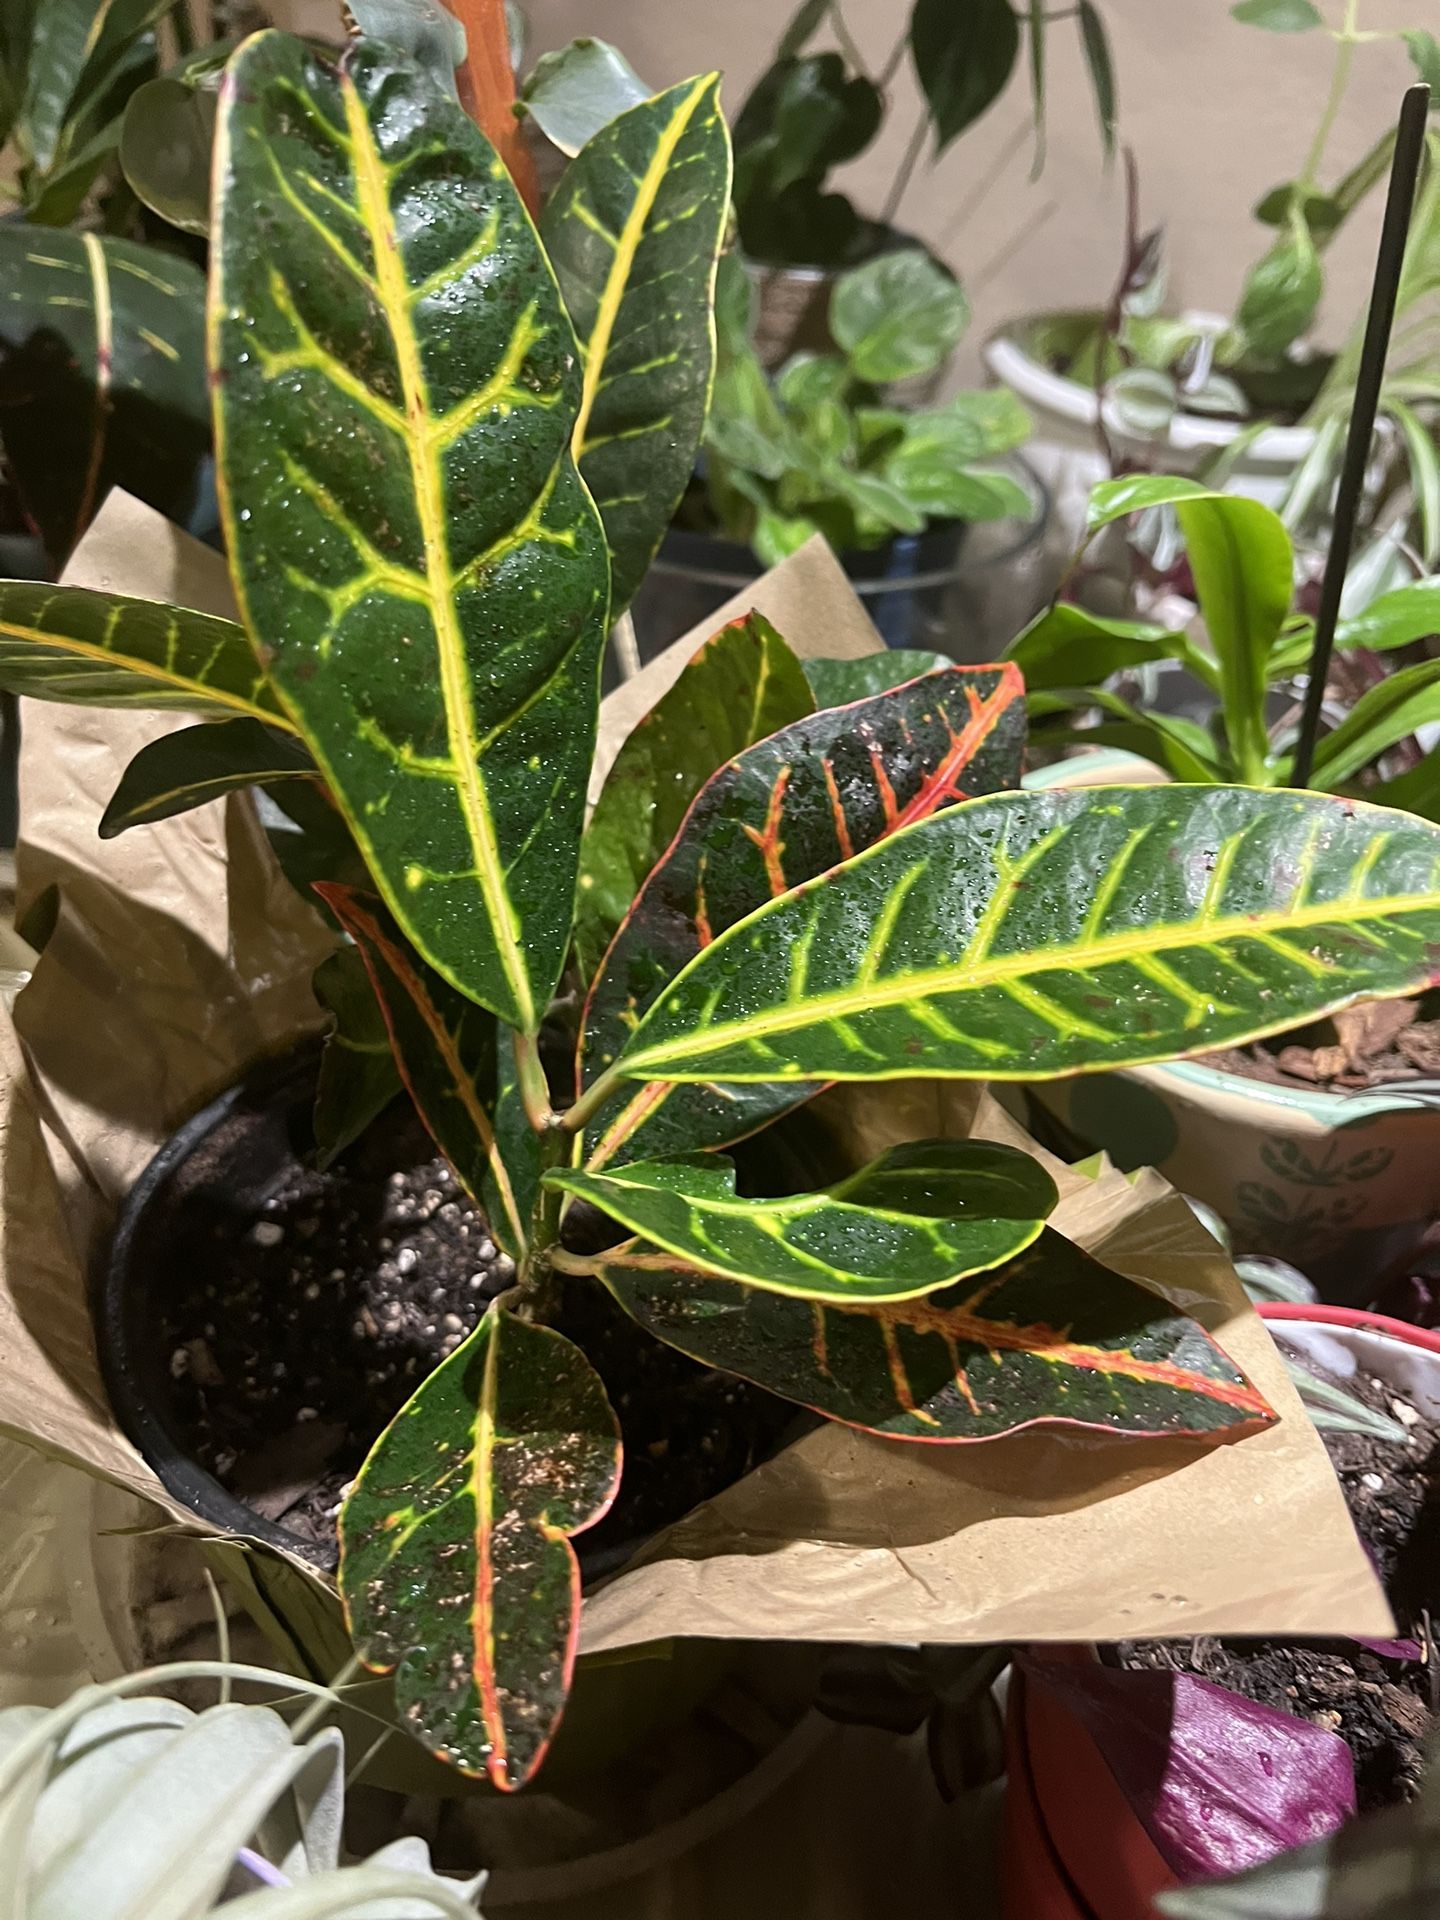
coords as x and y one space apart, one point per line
919 1218
103 650
634 232
1037 934
412 546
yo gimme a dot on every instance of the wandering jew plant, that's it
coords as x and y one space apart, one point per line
447 449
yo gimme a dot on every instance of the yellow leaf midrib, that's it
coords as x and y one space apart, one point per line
627 246
373 202
1109 950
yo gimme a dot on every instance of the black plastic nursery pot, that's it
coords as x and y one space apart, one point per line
218 1170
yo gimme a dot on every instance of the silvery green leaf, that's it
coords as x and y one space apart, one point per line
579 89
1333 1410
433 37
1267 1279
1144 400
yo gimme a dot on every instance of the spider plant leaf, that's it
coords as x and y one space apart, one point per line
1037 934
919 1218
1051 1336
634 232
455 1564
411 544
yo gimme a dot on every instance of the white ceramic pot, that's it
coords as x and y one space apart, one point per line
1066 448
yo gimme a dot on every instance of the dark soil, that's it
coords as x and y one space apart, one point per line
298 1321
1383 1704
1368 1046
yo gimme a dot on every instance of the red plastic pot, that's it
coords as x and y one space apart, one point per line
1073 1849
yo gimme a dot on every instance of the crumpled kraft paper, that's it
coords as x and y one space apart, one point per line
181 955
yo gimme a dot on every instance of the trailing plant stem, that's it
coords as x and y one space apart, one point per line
1347 40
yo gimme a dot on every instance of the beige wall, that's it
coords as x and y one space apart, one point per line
1216 113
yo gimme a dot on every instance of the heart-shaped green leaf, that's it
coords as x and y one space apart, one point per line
634 232
964 57
918 1218
455 1564
412 546
1048 933
742 685
358 1074
102 376
458 1068
103 650
784 811
187 769
1052 1336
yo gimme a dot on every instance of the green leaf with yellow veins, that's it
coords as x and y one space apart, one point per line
1036 934
456 1568
1050 1336
741 686
919 1218
634 231
103 650
412 546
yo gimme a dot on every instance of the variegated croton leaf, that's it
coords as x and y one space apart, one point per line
457 1062
413 549
104 650
1036 934
1052 1336
770 820
741 685
919 1218
102 376
455 1564
634 231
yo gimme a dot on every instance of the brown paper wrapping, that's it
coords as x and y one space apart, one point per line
181 955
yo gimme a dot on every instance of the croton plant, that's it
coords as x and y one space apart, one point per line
447 448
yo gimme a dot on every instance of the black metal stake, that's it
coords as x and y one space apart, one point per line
1399 204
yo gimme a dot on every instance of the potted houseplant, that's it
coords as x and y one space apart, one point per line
1250 395
824 911
1303 1153
818 448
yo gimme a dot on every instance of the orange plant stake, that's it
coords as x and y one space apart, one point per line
486 84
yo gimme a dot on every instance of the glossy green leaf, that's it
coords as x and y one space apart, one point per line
166 143
66 35
579 89
1406 700
919 1218
1282 291
964 57
102 376
1068 646
742 684
1051 1336
1243 567
199 764
1046 933
1279 16
424 30
897 316
103 650
457 1065
1095 44
411 544
1424 51
1112 500
1396 619
358 1075
455 1564
1417 790
773 819
836 683
633 231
